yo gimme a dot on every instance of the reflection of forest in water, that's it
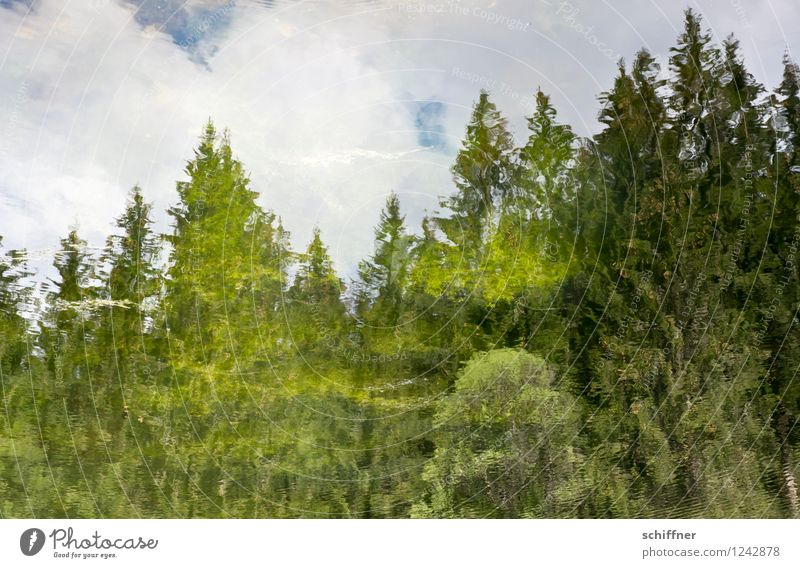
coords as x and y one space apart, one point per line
598 328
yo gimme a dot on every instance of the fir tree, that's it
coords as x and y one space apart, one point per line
317 314
482 174
384 276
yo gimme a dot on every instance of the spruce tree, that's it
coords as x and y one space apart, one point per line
131 288
482 174
225 252
384 276
68 328
317 315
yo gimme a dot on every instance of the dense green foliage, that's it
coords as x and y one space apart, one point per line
602 327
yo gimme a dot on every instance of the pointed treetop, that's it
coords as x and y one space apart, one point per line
545 112
691 55
316 277
742 88
486 116
645 68
73 267
209 131
391 220
482 170
548 150
790 85
692 27
319 263
788 105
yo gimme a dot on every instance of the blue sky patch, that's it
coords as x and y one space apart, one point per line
428 122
